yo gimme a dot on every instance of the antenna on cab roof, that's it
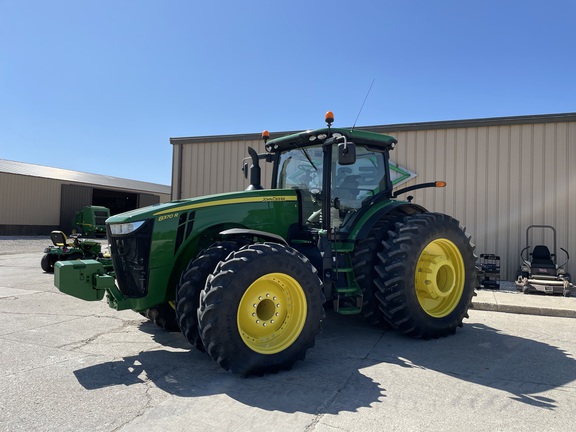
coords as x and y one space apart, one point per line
373 79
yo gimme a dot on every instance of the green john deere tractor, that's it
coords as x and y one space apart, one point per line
246 276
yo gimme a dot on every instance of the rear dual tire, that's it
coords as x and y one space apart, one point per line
426 276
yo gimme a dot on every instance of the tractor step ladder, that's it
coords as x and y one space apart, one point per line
350 292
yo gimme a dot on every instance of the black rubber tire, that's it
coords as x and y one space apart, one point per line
47 263
398 298
192 282
364 260
234 330
164 316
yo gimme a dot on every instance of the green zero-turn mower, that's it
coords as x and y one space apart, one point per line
246 276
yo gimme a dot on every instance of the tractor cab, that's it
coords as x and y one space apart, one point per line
336 171
339 173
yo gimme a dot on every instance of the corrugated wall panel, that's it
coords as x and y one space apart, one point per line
35 200
571 191
501 179
209 168
72 198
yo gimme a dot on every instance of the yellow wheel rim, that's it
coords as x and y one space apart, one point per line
439 278
272 313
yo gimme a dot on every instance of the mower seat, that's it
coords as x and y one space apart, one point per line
541 257
59 239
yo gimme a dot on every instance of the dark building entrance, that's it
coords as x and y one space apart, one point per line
116 201
74 197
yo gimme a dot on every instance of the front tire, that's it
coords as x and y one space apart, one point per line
164 316
261 309
427 276
192 282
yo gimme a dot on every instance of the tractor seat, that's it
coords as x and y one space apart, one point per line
541 257
347 192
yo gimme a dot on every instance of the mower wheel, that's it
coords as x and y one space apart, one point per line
427 276
192 281
261 309
164 316
47 263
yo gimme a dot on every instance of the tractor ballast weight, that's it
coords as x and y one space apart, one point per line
246 276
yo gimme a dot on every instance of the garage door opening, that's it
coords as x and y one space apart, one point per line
116 201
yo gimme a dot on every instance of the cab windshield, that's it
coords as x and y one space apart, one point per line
301 168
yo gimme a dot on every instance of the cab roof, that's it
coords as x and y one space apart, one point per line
373 141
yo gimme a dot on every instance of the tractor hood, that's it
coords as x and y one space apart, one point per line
171 209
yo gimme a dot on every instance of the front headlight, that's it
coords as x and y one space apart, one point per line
125 228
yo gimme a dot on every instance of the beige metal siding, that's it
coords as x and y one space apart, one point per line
501 179
29 200
145 199
215 167
36 201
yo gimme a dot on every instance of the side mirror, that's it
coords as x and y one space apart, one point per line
346 153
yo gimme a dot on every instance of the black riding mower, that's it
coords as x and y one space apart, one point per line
539 271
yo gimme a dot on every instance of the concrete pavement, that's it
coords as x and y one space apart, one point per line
70 365
507 299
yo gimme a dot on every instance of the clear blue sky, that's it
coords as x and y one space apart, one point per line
101 86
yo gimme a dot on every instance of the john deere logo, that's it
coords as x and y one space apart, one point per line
400 174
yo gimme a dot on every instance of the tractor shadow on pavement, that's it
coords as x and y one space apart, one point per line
336 374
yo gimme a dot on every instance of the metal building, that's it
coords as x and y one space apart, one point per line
38 199
503 175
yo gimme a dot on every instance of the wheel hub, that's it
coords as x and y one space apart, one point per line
439 278
272 313
435 277
266 311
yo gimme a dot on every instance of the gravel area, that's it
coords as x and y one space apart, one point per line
22 245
